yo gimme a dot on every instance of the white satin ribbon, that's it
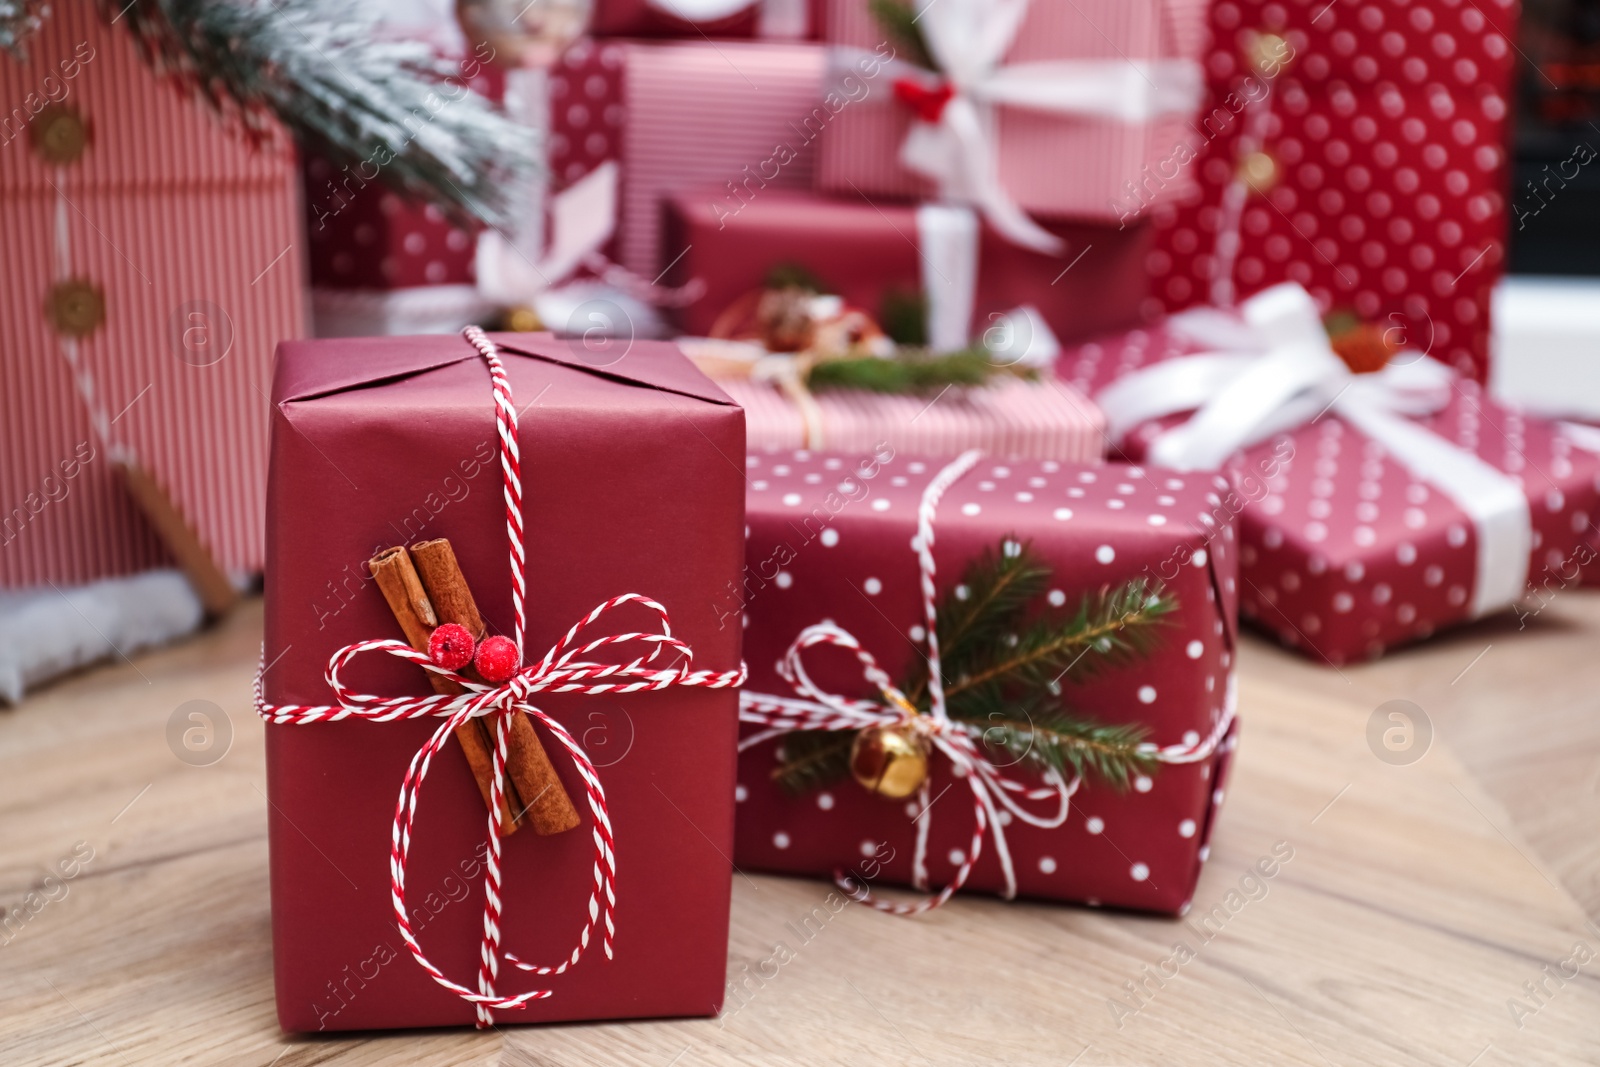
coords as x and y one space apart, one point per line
947 244
968 39
774 18
1276 371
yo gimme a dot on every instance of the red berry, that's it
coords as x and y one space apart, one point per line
450 646
496 659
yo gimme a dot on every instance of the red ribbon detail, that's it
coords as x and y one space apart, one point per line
929 104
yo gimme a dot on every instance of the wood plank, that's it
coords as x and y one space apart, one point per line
1411 912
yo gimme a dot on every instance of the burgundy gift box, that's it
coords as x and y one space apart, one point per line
1053 165
626 488
830 539
682 115
865 252
1344 551
770 19
1380 184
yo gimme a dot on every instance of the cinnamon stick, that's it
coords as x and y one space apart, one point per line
545 802
397 579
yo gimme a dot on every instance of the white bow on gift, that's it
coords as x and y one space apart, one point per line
1276 370
774 18
968 39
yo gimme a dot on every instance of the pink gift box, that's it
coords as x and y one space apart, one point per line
1050 165
1344 551
1043 420
189 242
681 115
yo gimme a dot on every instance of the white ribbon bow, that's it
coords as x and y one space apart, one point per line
1275 371
774 18
968 39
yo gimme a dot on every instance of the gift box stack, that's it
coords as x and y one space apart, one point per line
977 654
798 112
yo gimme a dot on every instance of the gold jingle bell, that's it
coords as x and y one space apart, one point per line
1259 170
891 761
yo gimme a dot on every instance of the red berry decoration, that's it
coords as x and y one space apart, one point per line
451 646
496 659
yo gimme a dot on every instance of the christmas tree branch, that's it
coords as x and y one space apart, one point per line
18 18
389 109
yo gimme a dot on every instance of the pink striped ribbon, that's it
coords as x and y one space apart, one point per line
565 668
817 709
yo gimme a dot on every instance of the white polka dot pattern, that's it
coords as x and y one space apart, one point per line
1343 552
841 560
1386 128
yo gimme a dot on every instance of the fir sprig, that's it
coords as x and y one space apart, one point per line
813 759
899 21
318 67
1109 628
1005 663
910 371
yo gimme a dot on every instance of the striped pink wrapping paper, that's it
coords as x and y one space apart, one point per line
165 207
1056 167
683 115
1012 419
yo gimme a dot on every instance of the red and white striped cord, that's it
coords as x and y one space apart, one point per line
817 709
565 668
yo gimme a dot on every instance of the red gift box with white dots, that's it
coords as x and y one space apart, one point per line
830 538
363 236
1344 553
1387 140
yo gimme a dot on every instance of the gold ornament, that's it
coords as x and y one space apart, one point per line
75 307
59 135
892 761
1269 54
523 320
1259 171
524 33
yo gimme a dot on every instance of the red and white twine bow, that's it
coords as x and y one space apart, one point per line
817 709
565 668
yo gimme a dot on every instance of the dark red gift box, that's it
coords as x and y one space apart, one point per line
831 539
1345 551
627 487
863 251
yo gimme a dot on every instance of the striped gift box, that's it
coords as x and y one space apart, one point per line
1046 420
681 115
1057 167
186 239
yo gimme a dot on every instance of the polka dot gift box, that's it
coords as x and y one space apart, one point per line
1374 508
847 554
1357 148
